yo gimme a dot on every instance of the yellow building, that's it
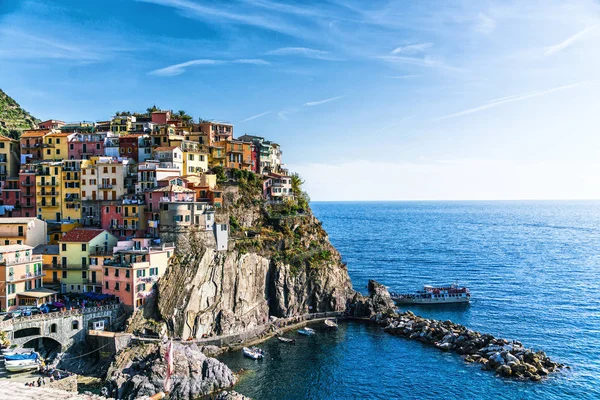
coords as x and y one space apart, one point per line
9 158
80 251
217 156
21 278
194 162
122 124
111 178
71 190
50 256
50 198
56 146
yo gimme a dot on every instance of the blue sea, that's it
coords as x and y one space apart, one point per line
534 272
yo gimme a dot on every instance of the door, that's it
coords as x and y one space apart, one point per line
54 276
93 276
64 262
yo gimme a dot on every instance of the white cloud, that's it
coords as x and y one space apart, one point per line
303 52
426 62
570 40
412 48
509 99
257 116
465 179
178 69
319 102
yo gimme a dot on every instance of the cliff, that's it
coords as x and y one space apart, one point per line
13 119
279 263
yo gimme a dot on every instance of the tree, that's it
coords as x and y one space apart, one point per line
152 109
297 183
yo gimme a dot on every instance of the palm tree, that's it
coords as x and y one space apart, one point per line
297 183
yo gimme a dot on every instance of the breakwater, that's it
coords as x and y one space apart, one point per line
509 359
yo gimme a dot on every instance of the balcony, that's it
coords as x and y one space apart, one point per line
49 183
48 145
27 194
50 205
105 186
47 193
136 215
72 199
27 184
21 260
30 146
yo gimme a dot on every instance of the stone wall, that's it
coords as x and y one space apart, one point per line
68 384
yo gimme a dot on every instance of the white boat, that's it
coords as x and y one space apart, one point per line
254 353
331 324
16 350
21 365
306 331
443 294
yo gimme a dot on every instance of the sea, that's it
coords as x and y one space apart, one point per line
533 269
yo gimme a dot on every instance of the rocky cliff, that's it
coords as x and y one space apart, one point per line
279 263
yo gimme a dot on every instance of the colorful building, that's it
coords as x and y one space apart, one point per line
169 157
21 278
79 250
134 270
71 190
277 187
51 124
28 190
216 131
48 181
22 230
111 177
32 145
125 218
56 146
195 162
82 146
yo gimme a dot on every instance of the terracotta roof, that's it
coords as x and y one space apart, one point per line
80 235
35 133
166 148
168 178
59 134
6 139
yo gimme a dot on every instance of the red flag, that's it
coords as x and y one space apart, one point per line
169 360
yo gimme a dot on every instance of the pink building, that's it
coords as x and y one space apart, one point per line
165 194
123 218
82 146
10 197
132 273
51 124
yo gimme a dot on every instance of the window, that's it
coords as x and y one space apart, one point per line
84 274
106 285
64 274
126 273
57 141
83 246
114 170
75 324
116 285
57 151
106 272
53 328
64 247
116 272
127 287
71 146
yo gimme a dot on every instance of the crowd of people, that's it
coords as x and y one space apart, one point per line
49 374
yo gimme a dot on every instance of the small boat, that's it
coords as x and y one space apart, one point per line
254 353
444 294
286 340
33 356
21 365
16 350
306 331
331 324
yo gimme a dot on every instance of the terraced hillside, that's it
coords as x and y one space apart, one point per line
13 119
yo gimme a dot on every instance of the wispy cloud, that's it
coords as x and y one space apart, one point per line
319 102
426 62
303 52
412 48
510 99
257 116
569 41
178 69
210 14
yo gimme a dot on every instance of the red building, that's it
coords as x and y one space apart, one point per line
254 156
129 146
51 124
10 196
32 143
125 219
161 117
27 184
82 146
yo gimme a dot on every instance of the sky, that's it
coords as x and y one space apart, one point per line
370 100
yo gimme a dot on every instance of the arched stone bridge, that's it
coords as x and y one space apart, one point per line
65 327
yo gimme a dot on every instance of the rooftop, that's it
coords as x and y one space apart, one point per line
172 188
14 247
166 148
46 249
80 235
16 220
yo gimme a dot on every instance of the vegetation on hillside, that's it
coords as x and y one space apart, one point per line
13 119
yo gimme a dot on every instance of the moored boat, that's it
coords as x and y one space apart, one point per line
286 340
444 294
306 331
331 324
21 365
254 353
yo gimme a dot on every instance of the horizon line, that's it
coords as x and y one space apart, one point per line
446 200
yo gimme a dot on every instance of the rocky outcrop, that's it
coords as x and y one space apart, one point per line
140 372
377 303
278 264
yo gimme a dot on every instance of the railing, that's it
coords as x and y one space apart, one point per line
57 204
32 275
25 183
105 186
58 314
21 260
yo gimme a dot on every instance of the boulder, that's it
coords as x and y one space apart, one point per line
510 358
504 370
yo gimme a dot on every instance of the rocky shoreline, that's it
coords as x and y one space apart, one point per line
509 359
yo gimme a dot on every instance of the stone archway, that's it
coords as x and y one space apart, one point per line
25 332
44 345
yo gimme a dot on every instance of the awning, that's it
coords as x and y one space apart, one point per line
37 293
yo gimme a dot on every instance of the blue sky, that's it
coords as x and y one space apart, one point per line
377 100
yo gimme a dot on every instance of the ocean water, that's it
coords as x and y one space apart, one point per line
534 272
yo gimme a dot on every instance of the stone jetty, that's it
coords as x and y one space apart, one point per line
507 358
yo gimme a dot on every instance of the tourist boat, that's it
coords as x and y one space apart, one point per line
22 362
331 324
286 340
444 294
306 331
254 353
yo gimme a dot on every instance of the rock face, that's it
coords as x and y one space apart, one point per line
140 372
508 359
277 265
